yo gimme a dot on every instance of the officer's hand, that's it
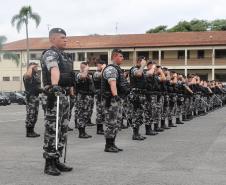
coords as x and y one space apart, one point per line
103 66
143 62
57 90
115 98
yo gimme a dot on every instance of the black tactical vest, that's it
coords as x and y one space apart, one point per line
33 85
136 82
85 86
65 66
121 83
97 83
152 83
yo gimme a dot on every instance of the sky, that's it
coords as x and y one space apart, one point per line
85 17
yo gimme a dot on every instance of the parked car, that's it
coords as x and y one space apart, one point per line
5 98
16 97
2 100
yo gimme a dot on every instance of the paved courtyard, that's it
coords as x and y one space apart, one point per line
191 154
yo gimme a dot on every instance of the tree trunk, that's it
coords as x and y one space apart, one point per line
27 42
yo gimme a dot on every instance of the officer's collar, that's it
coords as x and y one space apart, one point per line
57 49
113 62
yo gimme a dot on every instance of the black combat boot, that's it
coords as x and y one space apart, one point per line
136 135
50 168
83 134
76 123
179 122
122 125
163 124
62 167
170 124
129 122
31 132
157 128
109 146
149 131
90 123
184 118
100 130
119 149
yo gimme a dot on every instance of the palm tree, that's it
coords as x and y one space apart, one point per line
23 17
7 54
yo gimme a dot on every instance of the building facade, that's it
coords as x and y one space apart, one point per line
203 53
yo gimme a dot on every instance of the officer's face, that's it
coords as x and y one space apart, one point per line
59 40
118 58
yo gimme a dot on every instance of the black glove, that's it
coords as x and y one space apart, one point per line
57 90
115 98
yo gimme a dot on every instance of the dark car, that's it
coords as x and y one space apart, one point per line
5 99
16 97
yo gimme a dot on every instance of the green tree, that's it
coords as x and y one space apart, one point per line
161 28
22 18
218 25
6 54
182 26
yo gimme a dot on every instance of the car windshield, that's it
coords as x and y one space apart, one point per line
18 94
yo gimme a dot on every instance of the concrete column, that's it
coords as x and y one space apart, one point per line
109 57
213 73
186 57
213 57
134 56
185 71
85 56
160 56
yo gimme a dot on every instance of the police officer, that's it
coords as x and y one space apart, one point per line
32 84
138 86
85 95
98 96
114 87
57 80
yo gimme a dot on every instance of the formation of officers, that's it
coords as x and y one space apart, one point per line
147 94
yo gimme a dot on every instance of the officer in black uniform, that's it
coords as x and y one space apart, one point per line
57 81
114 87
32 84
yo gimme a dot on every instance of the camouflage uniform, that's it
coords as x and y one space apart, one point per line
56 58
50 126
85 99
32 90
43 102
32 107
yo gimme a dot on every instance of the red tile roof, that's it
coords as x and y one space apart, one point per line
128 41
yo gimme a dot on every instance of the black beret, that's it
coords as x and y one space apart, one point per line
56 30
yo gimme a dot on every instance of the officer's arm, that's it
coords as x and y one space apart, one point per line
113 87
55 75
28 74
140 71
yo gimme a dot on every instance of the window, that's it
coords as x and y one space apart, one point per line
6 78
35 56
221 53
104 58
155 55
181 54
16 78
200 54
126 55
81 56
143 54
71 56
220 77
18 56
188 54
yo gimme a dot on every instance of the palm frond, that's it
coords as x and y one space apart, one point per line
20 23
12 56
36 18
